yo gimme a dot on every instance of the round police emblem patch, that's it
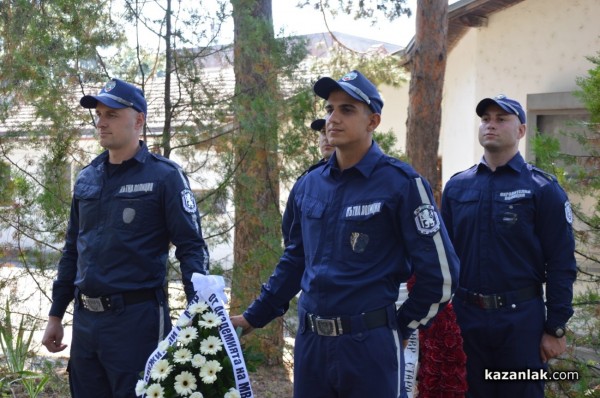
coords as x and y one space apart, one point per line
349 76
568 212
189 202
110 85
427 220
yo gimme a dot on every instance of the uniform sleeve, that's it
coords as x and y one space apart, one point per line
287 218
63 289
284 283
431 255
554 228
185 231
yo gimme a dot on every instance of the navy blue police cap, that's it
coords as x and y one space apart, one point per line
356 85
509 105
117 94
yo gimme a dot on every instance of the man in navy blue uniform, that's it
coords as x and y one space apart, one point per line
510 224
362 223
128 206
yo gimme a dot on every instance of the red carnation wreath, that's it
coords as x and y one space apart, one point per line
442 361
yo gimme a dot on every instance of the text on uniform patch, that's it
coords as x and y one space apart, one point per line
143 187
363 210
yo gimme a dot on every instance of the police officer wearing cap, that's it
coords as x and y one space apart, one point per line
128 206
510 224
363 222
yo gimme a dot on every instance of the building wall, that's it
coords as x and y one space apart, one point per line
533 47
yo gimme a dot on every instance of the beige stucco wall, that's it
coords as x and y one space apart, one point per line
536 46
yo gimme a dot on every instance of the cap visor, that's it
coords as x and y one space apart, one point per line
318 124
483 104
91 101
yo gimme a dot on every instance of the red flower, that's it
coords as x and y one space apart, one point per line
442 372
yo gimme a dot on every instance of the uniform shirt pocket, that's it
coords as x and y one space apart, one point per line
514 210
88 199
312 215
364 230
135 210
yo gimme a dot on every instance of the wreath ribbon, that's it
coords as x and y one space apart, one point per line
210 289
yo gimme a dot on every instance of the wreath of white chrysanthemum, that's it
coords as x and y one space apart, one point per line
196 366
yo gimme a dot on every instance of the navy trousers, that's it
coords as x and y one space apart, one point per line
366 363
505 339
109 349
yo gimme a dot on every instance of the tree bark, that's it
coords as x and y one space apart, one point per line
257 236
425 92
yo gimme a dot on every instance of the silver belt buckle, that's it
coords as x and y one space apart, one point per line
325 327
93 304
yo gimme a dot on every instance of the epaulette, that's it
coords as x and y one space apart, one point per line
404 167
311 168
549 176
165 160
462 171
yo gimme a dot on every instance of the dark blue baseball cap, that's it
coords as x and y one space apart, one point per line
318 124
509 105
117 94
355 85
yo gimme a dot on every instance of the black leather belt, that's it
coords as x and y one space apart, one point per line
104 303
336 326
499 300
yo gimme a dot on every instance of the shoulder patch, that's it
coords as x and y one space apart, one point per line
427 220
568 212
188 201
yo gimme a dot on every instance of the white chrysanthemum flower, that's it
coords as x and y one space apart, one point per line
185 383
197 394
187 335
232 393
209 371
211 345
209 320
198 308
198 360
161 370
182 355
183 322
140 387
155 391
163 345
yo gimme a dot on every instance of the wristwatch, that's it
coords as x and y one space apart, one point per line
558 331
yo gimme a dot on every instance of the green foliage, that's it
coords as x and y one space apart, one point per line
7 185
390 9
590 87
15 348
579 176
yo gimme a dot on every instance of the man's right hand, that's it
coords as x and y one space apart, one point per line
240 321
54 334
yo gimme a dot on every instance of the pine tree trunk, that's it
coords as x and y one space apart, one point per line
257 237
425 93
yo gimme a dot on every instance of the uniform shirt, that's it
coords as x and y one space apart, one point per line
288 214
355 236
512 229
120 228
